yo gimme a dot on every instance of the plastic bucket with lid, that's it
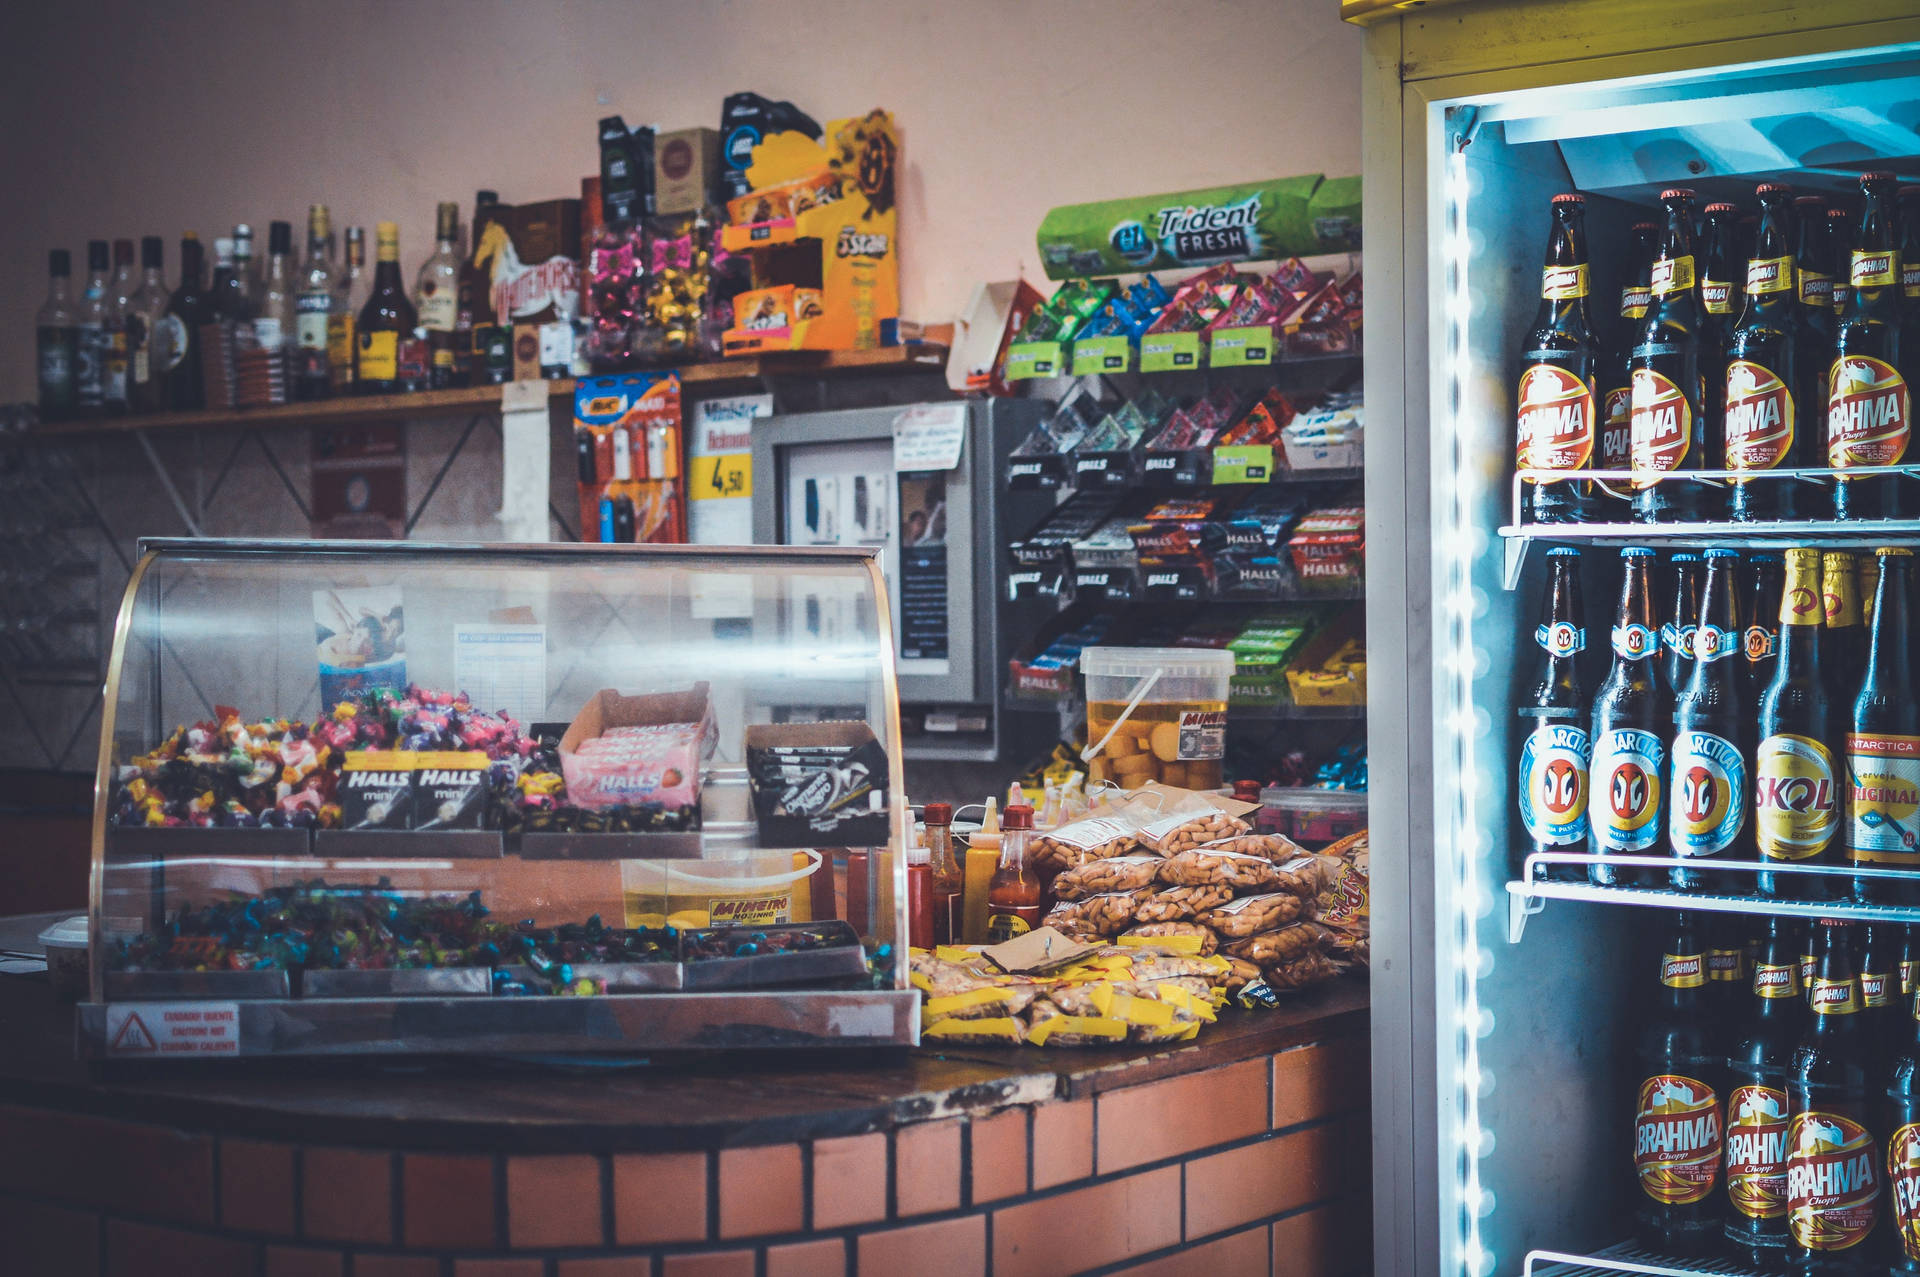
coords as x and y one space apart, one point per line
751 892
1161 713
66 944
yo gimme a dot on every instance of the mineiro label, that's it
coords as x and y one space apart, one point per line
1903 1185
1868 410
1553 785
1759 417
1556 419
1795 797
1833 1187
1885 789
1563 283
1757 1150
1676 1139
1709 806
1662 427
1625 774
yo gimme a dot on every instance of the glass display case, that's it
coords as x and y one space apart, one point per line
390 797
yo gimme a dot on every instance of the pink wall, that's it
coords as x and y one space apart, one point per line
123 118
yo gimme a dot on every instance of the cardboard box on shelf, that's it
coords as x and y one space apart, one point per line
686 167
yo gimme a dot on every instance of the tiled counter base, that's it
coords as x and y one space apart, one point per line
1246 1152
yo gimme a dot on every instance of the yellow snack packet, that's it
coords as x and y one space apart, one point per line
1083 1025
997 1031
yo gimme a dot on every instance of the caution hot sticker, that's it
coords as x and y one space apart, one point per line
169 1029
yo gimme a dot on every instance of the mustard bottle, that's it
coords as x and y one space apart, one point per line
983 857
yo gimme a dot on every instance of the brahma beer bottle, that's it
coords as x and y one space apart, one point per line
1840 245
1756 1125
1869 408
1770 376
1683 617
1796 791
1616 408
1557 425
1707 767
1554 751
1833 1160
1760 604
1726 943
1632 710
1669 392
1720 268
1903 1146
1676 1124
1881 1011
1883 745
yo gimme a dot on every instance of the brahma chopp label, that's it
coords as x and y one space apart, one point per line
1903 1186
1868 413
1553 785
1709 788
1769 275
1625 774
1776 980
1563 283
1833 1186
1883 777
1616 429
1662 425
1756 1142
1683 970
1634 641
1796 809
1876 988
1561 638
1556 419
1873 269
1717 296
1672 275
1759 417
1676 1139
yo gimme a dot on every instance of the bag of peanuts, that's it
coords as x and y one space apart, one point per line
1181 904
1117 873
1251 915
1095 838
1109 913
1275 847
1191 823
1180 934
1281 945
1301 972
1209 866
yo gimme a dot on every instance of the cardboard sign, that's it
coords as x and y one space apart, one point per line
1042 949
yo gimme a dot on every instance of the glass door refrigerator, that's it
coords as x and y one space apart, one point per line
1509 994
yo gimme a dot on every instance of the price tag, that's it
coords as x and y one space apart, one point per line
1169 352
1092 355
1036 359
1243 463
929 437
715 478
1238 347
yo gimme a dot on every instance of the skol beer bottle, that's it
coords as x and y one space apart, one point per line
1833 1160
1560 367
1771 374
1554 750
1669 392
1616 408
1869 408
1632 710
1707 775
1683 617
1756 1124
1760 604
1677 1117
1796 788
1883 745
1903 1145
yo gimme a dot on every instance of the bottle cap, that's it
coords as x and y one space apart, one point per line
1810 199
1637 552
1569 197
1723 554
990 820
1765 556
123 252
1772 188
1895 549
919 856
1720 208
1684 557
1840 212
1648 227
280 237
1564 552
1019 816
1676 193
97 254
153 251
59 262
1878 175
937 813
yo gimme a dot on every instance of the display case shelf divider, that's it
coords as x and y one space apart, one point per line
1627 1257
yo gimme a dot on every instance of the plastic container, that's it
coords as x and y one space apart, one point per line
716 893
1311 817
1177 733
66 944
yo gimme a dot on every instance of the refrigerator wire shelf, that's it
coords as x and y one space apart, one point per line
1627 1257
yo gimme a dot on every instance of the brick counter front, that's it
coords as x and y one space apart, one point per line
1246 1152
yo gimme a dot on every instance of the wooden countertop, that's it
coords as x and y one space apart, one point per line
609 1105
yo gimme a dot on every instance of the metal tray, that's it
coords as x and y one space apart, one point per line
838 963
419 982
132 841
632 977
410 844
683 845
212 986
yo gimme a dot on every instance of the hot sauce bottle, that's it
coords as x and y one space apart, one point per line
949 926
1013 897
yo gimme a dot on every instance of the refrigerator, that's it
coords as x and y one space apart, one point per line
1502 1022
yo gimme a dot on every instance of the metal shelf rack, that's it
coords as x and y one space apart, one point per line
1626 1257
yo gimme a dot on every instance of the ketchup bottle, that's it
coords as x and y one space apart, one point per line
1013 897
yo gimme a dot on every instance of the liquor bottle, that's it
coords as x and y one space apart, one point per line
386 319
1869 406
1756 1125
1669 392
1013 896
237 297
186 313
90 368
1707 762
1631 711
314 303
1796 790
1677 1118
1846 638
1903 1145
148 331
947 883
1683 617
1555 752
1840 243
1833 1171
1616 410
228 296
56 338
1760 604
475 314
436 295
1560 370
1883 745
275 318
120 291
354 286
1771 375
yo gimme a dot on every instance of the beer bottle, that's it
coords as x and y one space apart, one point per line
1707 771
1669 392
1868 404
1676 634
1720 266
1631 711
1833 1171
1760 604
1883 745
1846 638
1809 942
1676 1127
1769 378
1903 1146
1812 282
1555 752
1881 1011
1560 372
1726 973
1909 200
1840 236
1616 411
1909 966
1796 812
1756 1127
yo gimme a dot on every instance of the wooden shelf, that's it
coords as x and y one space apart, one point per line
720 374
